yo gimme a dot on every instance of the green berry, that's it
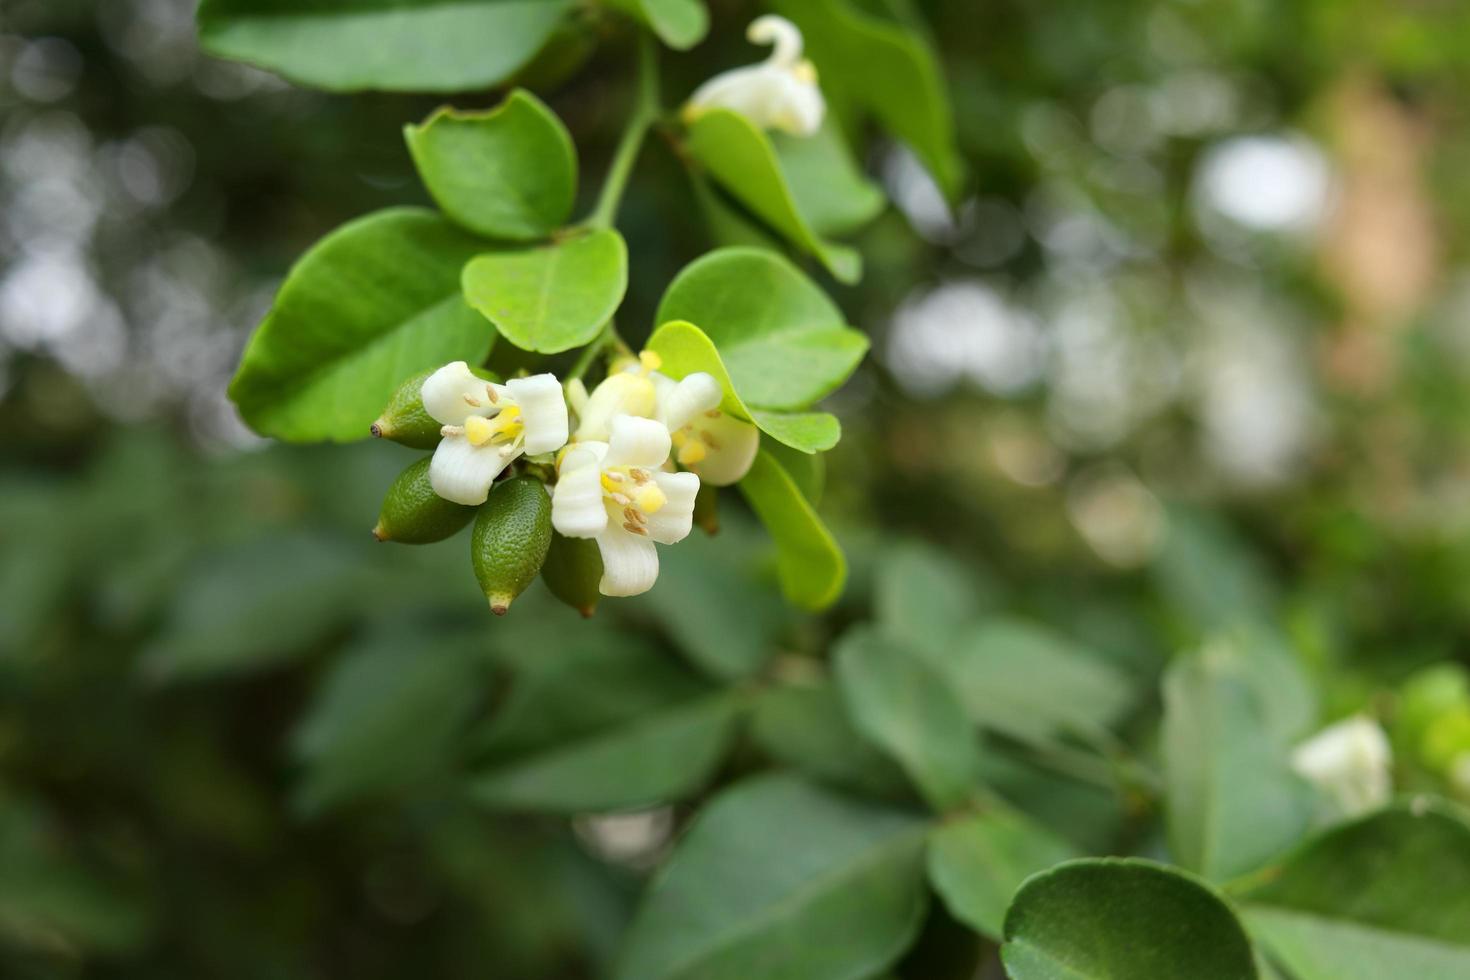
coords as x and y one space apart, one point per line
707 509
511 537
572 571
414 514
404 421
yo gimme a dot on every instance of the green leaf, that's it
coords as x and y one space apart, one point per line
887 70
832 194
785 343
1232 799
807 470
740 157
777 878
509 172
392 45
976 864
1108 919
927 597
372 303
654 759
805 726
994 669
1384 896
685 349
681 24
808 561
386 716
905 708
552 298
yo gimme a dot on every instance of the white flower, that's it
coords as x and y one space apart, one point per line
779 93
487 425
1349 762
706 441
615 492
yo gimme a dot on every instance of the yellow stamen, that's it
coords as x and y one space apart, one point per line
650 361
650 498
692 453
805 71
478 430
611 481
678 438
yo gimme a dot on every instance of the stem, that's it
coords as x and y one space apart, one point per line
645 112
590 352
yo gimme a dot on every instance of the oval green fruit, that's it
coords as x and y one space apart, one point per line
511 537
707 509
414 514
572 571
404 421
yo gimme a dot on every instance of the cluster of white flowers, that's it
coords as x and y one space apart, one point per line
618 478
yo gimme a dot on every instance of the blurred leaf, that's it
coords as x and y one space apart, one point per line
784 342
405 45
372 303
776 877
1384 896
1233 801
806 726
681 24
685 349
1209 574
1088 814
1111 918
1264 659
807 470
995 669
508 172
926 596
740 157
256 605
809 562
977 862
715 609
887 70
907 709
834 196
386 715
653 759
551 298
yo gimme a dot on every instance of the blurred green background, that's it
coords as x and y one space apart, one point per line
1193 353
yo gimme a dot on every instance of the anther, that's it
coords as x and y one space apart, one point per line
472 401
635 529
490 391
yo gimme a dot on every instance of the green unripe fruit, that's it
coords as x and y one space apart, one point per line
414 514
510 540
572 572
404 421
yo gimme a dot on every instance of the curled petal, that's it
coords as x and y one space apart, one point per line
577 509
453 392
621 393
629 562
543 411
731 452
680 402
637 442
672 521
778 31
463 473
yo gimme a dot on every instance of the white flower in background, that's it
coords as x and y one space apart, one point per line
487 425
1349 762
615 492
706 440
779 93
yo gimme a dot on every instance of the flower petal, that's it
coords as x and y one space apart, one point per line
629 562
463 473
621 393
577 508
680 402
776 30
637 442
672 521
445 390
737 441
543 410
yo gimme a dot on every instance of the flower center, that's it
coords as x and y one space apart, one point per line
630 494
693 443
506 427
